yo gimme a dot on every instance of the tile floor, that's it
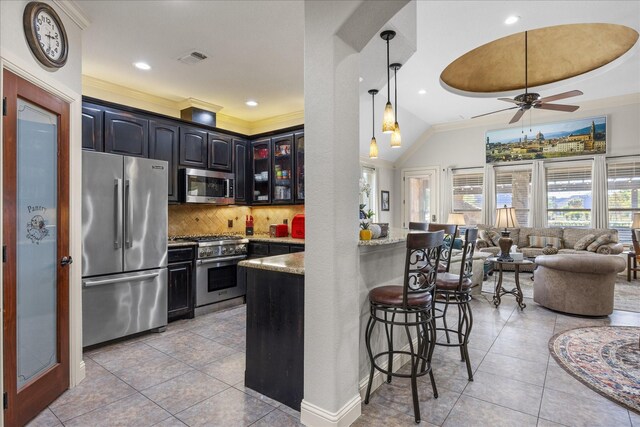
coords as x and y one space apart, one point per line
193 375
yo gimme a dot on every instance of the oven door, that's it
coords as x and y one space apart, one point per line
217 280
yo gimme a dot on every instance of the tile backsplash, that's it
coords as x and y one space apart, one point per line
186 219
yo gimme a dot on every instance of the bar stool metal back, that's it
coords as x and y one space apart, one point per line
408 306
455 289
450 231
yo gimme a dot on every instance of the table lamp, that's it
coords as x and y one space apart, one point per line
456 219
506 218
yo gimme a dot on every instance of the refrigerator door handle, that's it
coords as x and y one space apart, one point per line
118 215
127 214
90 283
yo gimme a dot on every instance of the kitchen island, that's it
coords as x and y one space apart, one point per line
275 327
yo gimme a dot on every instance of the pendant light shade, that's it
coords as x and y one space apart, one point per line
388 119
373 146
396 138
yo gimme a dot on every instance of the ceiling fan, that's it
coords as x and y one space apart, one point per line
529 100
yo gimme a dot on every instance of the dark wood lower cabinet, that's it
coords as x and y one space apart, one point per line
181 293
275 335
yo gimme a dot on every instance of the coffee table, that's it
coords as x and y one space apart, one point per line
517 291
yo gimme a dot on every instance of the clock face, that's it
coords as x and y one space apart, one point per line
48 34
45 34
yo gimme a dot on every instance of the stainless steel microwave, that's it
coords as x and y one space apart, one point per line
203 186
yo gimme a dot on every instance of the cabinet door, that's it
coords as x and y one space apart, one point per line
299 167
282 180
278 249
125 133
92 122
296 248
240 162
193 147
257 250
220 152
261 172
180 289
163 145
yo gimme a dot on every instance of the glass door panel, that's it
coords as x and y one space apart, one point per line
300 168
36 253
282 167
261 157
420 196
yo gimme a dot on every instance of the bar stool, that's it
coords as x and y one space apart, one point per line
450 231
408 306
455 289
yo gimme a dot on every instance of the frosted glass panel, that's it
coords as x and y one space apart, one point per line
36 213
419 199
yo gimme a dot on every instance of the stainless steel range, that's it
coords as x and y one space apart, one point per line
217 269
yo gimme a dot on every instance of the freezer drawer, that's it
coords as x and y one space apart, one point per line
123 304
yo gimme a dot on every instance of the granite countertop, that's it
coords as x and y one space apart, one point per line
287 263
396 235
267 238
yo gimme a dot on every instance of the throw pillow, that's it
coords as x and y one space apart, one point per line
585 241
495 237
484 236
543 241
602 240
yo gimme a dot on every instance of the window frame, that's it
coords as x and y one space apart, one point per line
465 212
522 167
624 233
571 164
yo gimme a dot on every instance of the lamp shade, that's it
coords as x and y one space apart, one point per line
388 119
396 138
456 219
636 220
373 149
506 218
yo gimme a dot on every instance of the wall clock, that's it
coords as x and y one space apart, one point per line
45 34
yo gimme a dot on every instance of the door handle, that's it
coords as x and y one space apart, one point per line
89 283
66 261
118 216
127 218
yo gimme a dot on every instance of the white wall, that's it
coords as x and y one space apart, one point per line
65 83
462 144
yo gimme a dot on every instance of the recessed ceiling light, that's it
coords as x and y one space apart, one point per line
251 103
142 65
422 91
361 79
512 20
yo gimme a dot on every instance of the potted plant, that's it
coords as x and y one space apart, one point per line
365 233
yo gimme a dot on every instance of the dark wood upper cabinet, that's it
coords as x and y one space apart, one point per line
298 166
163 145
220 152
260 172
240 168
282 173
193 147
92 127
125 133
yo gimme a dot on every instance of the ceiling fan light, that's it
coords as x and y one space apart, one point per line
373 149
388 119
396 138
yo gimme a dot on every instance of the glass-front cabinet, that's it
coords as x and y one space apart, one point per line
282 169
261 162
299 167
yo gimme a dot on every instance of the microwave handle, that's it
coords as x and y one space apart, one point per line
228 184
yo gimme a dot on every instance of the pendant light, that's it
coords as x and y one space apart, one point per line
373 146
388 118
396 139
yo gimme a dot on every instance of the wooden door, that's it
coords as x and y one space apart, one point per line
193 147
220 152
241 160
36 238
92 120
126 134
163 145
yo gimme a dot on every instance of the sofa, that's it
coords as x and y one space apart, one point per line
577 283
566 240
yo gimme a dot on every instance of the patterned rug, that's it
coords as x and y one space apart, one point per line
604 358
626 294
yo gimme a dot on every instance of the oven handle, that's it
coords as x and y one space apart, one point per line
223 259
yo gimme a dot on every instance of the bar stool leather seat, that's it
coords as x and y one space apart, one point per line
451 282
391 295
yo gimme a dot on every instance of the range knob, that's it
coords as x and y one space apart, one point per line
225 251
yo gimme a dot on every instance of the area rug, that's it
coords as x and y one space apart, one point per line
626 294
604 358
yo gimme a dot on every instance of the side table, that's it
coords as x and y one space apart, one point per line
632 265
517 291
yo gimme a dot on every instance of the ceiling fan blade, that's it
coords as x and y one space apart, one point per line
509 100
560 96
558 107
517 116
493 112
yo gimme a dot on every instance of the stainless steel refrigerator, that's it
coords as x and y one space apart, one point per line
124 252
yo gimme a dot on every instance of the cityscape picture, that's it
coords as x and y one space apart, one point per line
586 136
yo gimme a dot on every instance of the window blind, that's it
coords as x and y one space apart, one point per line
623 194
513 188
467 196
569 197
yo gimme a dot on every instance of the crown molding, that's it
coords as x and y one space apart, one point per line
74 12
196 103
88 81
275 122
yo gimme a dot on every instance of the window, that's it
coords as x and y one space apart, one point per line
513 188
623 193
467 195
569 195
368 175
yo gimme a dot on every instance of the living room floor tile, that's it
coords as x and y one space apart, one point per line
517 369
564 408
506 392
470 411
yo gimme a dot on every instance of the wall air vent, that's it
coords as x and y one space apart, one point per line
192 57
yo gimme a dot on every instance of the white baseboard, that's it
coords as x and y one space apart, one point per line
379 378
314 416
